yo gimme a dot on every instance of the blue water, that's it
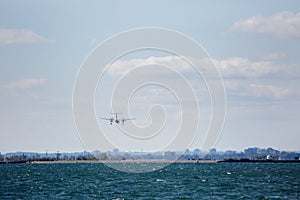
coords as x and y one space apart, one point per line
177 181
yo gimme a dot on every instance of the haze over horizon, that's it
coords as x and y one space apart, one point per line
254 45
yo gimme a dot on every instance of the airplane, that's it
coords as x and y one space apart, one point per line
117 120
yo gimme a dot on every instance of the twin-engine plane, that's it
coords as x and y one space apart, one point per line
117 120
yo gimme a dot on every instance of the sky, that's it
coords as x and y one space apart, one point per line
255 46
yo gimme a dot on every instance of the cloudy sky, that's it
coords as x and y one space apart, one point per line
255 46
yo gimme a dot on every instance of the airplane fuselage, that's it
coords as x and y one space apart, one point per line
117 120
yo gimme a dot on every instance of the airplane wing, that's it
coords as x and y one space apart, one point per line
105 118
111 120
128 119
124 120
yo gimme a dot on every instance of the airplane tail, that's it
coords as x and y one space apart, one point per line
116 114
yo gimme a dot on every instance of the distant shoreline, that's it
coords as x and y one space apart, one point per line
150 161
259 161
121 161
164 161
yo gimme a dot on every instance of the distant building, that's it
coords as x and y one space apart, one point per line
170 155
196 154
1 157
116 151
251 151
213 151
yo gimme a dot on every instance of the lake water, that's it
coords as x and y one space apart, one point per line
177 181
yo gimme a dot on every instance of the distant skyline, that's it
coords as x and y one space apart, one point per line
255 46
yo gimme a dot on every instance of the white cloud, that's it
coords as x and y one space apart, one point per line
232 85
251 92
21 36
121 67
243 67
274 56
229 68
93 41
23 84
270 91
241 75
280 25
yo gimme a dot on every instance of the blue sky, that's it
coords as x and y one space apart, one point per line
254 44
